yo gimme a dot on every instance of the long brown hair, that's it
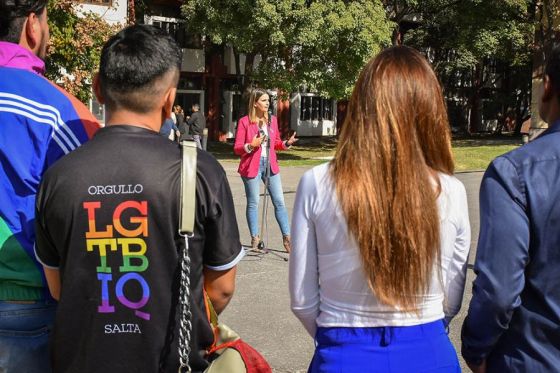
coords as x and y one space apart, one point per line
254 96
395 136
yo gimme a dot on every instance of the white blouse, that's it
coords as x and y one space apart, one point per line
328 286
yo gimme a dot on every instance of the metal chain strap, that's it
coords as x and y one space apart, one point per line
185 325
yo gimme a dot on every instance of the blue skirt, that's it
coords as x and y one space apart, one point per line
418 348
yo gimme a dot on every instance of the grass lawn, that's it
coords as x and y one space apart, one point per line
306 152
470 153
476 154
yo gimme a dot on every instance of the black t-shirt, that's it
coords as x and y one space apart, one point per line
108 217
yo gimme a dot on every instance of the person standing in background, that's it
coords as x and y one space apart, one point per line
39 123
169 129
196 124
180 115
257 139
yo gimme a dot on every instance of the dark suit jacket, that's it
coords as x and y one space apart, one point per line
514 315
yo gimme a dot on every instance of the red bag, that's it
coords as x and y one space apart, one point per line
252 360
229 353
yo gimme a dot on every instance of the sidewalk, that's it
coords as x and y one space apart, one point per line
260 309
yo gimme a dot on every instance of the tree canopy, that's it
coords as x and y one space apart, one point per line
75 47
481 51
321 45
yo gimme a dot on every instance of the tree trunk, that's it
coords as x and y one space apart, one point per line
249 68
248 80
397 36
240 82
131 19
544 39
475 101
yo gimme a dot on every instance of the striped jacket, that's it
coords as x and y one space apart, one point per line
39 123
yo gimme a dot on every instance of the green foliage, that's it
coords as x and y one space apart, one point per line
476 30
75 47
480 50
475 154
321 45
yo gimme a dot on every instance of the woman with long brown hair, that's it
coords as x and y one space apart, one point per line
381 234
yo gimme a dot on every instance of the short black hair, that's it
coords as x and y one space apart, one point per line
552 68
13 14
138 63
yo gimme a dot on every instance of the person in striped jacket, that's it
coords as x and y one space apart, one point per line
39 123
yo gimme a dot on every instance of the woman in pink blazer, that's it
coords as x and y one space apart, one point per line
256 141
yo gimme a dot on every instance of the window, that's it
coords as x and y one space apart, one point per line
316 108
327 108
305 110
170 28
176 28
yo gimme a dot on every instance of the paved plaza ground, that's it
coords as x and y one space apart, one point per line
260 309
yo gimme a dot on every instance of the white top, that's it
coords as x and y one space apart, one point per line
328 287
264 144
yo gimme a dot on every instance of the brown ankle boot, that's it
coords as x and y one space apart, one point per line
255 242
287 243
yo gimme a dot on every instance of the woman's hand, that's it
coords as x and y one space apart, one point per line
291 140
257 141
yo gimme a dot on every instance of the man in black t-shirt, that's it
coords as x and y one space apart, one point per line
107 219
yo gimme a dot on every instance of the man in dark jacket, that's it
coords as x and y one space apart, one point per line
513 318
196 123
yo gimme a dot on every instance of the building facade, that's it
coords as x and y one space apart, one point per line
112 11
208 77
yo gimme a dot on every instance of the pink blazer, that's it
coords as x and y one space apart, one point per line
246 131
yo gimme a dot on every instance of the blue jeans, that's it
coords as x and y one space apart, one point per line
24 336
392 349
252 189
196 139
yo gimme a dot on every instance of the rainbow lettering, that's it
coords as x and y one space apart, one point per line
132 247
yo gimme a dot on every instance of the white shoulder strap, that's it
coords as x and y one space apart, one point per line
188 187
